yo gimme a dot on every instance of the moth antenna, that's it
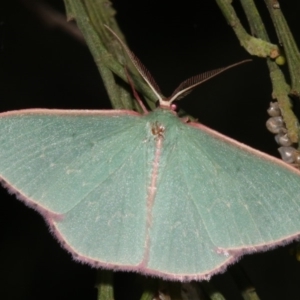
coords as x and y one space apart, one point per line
135 93
187 86
139 66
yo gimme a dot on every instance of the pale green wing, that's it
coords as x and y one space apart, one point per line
86 172
217 199
149 194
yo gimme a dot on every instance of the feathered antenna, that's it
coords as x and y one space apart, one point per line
183 89
189 84
140 67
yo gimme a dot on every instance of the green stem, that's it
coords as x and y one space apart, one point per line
280 87
99 42
78 10
150 288
255 22
290 47
280 93
101 12
211 291
105 285
254 46
147 295
243 283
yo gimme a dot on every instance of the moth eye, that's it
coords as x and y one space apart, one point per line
275 125
283 139
174 107
274 110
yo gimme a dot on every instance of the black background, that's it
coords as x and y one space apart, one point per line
45 67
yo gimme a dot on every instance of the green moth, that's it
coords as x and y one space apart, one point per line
150 193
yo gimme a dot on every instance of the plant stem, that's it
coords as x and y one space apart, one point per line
254 46
78 10
90 20
281 89
211 291
287 40
150 289
244 284
101 13
104 285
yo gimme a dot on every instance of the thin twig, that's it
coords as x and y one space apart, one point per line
281 89
104 285
288 42
244 284
261 45
211 291
254 45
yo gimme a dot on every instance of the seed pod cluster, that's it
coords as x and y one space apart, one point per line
276 125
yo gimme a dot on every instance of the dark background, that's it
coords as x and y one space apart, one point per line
45 67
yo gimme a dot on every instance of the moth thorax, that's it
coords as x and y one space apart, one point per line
157 129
